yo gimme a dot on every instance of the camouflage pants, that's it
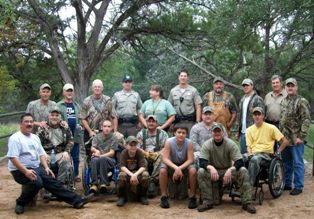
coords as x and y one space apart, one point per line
258 160
241 177
65 169
155 164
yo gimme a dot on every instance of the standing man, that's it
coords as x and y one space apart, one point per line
273 99
186 101
249 101
28 166
70 111
294 124
223 104
127 103
95 110
40 108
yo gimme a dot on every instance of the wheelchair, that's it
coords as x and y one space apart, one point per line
272 174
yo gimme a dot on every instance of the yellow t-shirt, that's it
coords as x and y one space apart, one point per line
262 139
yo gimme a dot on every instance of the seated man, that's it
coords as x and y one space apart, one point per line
58 142
133 173
103 149
260 140
152 141
178 165
29 167
217 155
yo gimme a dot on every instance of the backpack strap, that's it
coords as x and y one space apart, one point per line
157 148
144 134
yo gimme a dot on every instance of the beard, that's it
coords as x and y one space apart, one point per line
219 90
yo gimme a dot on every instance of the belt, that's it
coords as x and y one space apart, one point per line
133 119
187 118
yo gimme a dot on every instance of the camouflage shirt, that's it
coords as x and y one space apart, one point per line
58 138
151 142
295 118
105 143
97 111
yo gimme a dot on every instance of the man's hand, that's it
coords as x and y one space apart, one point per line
134 180
177 175
96 153
31 174
49 172
64 124
213 174
43 124
299 141
91 134
66 155
227 177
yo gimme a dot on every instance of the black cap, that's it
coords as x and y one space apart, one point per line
127 78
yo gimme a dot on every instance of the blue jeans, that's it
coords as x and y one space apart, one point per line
243 143
75 154
31 188
292 158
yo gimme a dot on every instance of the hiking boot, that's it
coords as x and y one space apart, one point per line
205 206
120 202
103 188
296 191
249 208
144 200
164 203
192 203
19 209
93 189
84 200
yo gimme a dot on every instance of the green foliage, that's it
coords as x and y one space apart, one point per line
6 130
8 85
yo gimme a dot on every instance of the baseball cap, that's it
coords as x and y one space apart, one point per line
151 117
131 139
55 110
217 126
208 109
68 86
258 109
45 85
292 81
127 78
218 78
247 81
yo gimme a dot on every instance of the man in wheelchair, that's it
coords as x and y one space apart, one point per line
57 141
102 157
261 140
216 158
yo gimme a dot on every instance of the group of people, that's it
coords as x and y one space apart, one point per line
199 154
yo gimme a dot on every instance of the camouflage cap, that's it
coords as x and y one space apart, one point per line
151 117
218 78
45 85
247 81
55 110
217 126
258 109
208 109
131 139
127 78
292 81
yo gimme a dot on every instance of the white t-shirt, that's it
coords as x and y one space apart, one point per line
27 149
244 112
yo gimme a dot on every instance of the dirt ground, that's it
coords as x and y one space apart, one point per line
103 206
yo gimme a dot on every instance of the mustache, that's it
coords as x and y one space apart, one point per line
29 126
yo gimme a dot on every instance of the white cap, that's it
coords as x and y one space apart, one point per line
68 86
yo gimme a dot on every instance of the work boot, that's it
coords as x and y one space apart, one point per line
103 188
144 200
296 191
205 206
84 200
192 203
164 203
120 202
93 189
249 208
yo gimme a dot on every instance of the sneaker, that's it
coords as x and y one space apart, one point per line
120 202
287 188
192 203
19 209
93 189
296 191
164 203
249 208
205 206
103 188
84 200
144 200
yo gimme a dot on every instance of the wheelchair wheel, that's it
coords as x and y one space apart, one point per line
276 177
86 177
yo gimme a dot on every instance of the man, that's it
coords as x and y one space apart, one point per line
57 142
249 101
186 101
152 141
178 166
70 111
260 140
223 103
40 108
103 150
216 158
127 103
273 99
294 124
95 110
133 174
28 166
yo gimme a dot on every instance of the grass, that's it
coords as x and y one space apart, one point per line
6 129
308 152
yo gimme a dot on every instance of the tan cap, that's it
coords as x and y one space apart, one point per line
258 109
218 78
68 86
217 126
247 81
208 109
151 117
45 85
131 139
292 81
55 110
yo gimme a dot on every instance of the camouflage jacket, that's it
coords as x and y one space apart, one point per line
58 138
105 143
295 118
95 117
255 101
